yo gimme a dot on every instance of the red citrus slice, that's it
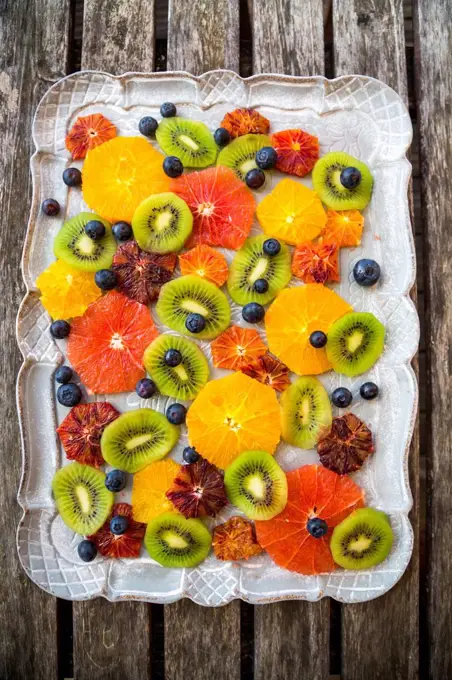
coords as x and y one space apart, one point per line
343 227
140 275
297 151
236 347
87 133
235 540
205 262
107 343
313 491
245 121
81 430
124 545
316 263
269 371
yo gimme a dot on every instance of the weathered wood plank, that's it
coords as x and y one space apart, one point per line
202 37
34 37
433 73
369 39
287 36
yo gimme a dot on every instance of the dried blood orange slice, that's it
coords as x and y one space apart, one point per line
140 275
343 227
297 151
293 316
245 121
236 347
316 263
345 448
81 430
231 415
125 545
198 490
87 133
313 493
107 343
205 262
65 291
269 371
149 490
222 206
235 540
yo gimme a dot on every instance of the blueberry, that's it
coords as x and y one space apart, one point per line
266 158
366 272
50 207
146 388
60 329
195 323
95 229
261 286
317 527
119 525
255 178
172 166
318 339
122 231
190 455
173 358
369 390
87 550
168 110
147 126
176 414
116 480
72 177
105 279
350 178
63 375
69 395
271 247
341 397
221 136
253 312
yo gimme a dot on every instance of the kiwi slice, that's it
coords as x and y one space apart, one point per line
362 540
137 438
355 341
173 541
326 178
189 140
256 485
250 264
74 246
82 499
162 223
192 294
183 381
240 154
305 412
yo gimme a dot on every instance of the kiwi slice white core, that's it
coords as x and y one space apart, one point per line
194 307
83 497
86 245
256 485
136 442
174 540
188 141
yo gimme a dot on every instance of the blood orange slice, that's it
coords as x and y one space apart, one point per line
124 545
87 133
316 263
81 430
297 151
107 343
236 347
313 492
245 121
205 262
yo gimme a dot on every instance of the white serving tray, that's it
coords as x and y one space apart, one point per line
356 114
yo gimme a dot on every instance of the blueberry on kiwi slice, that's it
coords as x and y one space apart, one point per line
73 245
189 140
342 181
240 154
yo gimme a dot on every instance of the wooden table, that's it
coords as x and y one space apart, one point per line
406 633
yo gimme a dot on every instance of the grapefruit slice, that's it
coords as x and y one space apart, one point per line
313 492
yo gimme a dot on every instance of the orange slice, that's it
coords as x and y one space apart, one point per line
87 133
149 490
293 316
205 262
232 415
121 173
291 212
316 263
344 228
66 292
236 347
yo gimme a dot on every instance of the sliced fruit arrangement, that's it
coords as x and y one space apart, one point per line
81 430
318 500
342 181
305 413
269 371
240 154
127 543
173 541
297 151
245 121
198 490
189 140
355 341
74 246
139 274
362 540
162 223
149 489
346 446
236 347
343 228
177 366
231 415
106 344
205 262
66 292
255 276
235 540
88 132
291 212
138 438
316 263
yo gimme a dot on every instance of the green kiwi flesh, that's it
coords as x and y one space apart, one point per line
250 264
326 180
138 438
173 541
82 499
183 381
162 223
192 294
362 540
190 140
305 412
240 154
355 341
257 485
76 248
